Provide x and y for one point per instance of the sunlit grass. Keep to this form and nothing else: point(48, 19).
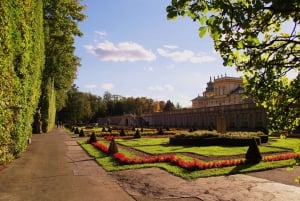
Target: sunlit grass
point(109, 164)
point(161, 146)
point(288, 143)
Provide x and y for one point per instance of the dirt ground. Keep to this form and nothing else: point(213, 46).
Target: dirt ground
point(154, 183)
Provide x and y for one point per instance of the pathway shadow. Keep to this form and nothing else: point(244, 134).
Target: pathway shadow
point(240, 168)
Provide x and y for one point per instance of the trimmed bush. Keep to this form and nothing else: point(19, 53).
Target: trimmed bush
point(137, 134)
point(253, 155)
point(92, 139)
point(122, 132)
point(211, 138)
point(211, 141)
point(160, 131)
point(81, 133)
point(76, 130)
point(112, 147)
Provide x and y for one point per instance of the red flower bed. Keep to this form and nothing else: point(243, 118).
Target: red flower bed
point(279, 157)
point(101, 147)
point(109, 137)
point(190, 165)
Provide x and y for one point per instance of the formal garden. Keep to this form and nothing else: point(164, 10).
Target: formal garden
point(185, 153)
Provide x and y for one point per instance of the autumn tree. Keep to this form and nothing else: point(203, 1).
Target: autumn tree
point(261, 38)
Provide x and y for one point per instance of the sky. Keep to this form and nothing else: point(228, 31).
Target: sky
point(130, 48)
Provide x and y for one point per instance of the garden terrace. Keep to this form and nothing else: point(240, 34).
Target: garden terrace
point(190, 161)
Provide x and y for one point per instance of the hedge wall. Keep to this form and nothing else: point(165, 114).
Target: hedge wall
point(47, 103)
point(21, 64)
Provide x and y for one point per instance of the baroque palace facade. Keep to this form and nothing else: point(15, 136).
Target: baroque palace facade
point(223, 97)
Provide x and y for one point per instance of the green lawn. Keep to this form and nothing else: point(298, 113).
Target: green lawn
point(159, 146)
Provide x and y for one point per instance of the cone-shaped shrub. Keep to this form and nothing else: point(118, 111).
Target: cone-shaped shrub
point(81, 133)
point(76, 130)
point(253, 155)
point(137, 134)
point(160, 131)
point(112, 147)
point(93, 138)
point(122, 132)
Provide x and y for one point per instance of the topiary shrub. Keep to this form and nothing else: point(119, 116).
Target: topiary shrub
point(253, 155)
point(160, 131)
point(112, 147)
point(122, 132)
point(81, 133)
point(93, 138)
point(76, 130)
point(137, 134)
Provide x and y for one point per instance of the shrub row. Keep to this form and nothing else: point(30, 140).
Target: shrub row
point(213, 141)
point(211, 138)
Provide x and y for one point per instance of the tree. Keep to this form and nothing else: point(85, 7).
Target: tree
point(169, 106)
point(61, 18)
point(262, 39)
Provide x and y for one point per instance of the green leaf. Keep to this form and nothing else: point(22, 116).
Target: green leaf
point(202, 31)
point(240, 45)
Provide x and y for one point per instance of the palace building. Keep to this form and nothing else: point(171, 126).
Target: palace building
point(224, 96)
point(222, 91)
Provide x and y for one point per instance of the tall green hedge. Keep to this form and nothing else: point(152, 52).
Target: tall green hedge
point(21, 64)
point(36, 60)
point(47, 103)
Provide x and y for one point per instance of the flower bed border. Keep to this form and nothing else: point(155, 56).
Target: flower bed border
point(189, 165)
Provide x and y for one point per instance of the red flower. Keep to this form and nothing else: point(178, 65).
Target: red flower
point(189, 165)
point(101, 147)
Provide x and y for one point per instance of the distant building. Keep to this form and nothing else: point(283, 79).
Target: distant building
point(223, 96)
point(221, 91)
point(115, 97)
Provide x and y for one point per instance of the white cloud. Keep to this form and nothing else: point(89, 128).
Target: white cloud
point(124, 51)
point(90, 86)
point(169, 87)
point(107, 86)
point(156, 88)
point(166, 87)
point(170, 46)
point(101, 33)
point(185, 56)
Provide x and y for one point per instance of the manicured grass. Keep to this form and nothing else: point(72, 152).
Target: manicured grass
point(161, 146)
point(109, 164)
point(288, 143)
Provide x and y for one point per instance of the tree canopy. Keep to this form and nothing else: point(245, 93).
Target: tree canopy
point(61, 18)
point(86, 107)
point(261, 38)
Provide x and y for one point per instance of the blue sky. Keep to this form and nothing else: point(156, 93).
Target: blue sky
point(129, 48)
